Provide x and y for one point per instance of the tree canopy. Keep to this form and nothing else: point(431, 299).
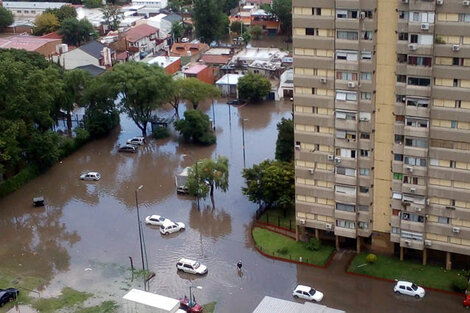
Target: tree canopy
point(177, 30)
point(195, 91)
point(92, 3)
point(256, 31)
point(285, 140)
point(76, 32)
point(283, 10)
point(46, 23)
point(211, 23)
point(253, 87)
point(141, 88)
point(112, 16)
point(63, 12)
point(196, 128)
point(6, 17)
point(269, 182)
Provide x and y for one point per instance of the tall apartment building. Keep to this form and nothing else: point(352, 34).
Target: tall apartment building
point(382, 123)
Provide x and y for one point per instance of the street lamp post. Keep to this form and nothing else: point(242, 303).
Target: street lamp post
point(140, 227)
point(191, 302)
point(243, 139)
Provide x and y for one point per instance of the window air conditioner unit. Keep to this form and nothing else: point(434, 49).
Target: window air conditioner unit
point(409, 169)
point(412, 190)
point(439, 2)
point(323, 80)
point(363, 119)
point(328, 226)
point(330, 157)
point(351, 84)
point(407, 242)
point(456, 48)
point(297, 147)
point(413, 46)
point(302, 222)
point(428, 202)
point(419, 209)
point(455, 230)
point(337, 160)
point(427, 243)
point(311, 171)
point(424, 26)
point(466, 3)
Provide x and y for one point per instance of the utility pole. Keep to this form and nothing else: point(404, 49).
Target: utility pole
point(243, 139)
point(140, 227)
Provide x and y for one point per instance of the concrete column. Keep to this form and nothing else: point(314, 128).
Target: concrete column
point(425, 256)
point(337, 243)
point(401, 253)
point(448, 261)
point(358, 244)
point(317, 234)
point(297, 232)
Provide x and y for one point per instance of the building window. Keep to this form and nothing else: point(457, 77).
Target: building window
point(443, 220)
point(420, 61)
point(402, 58)
point(366, 96)
point(345, 224)
point(366, 55)
point(412, 217)
point(346, 13)
point(365, 136)
point(366, 35)
point(419, 81)
point(346, 95)
point(345, 207)
point(414, 161)
point(363, 189)
point(417, 102)
point(310, 31)
point(403, 36)
point(364, 172)
point(346, 115)
point(366, 76)
point(453, 124)
point(456, 83)
point(346, 76)
point(416, 122)
point(345, 171)
point(365, 153)
point(346, 55)
point(398, 176)
point(416, 142)
point(363, 208)
point(395, 230)
point(347, 35)
point(403, 15)
point(398, 157)
point(401, 78)
point(362, 225)
point(349, 190)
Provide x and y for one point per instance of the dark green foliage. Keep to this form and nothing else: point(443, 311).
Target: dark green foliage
point(92, 3)
point(228, 5)
point(76, 32)
point(313, 244)
point(16, 182)
point(112, 16)
point(177, 30)
point(285, 140)
point(460, 284)
point(282, 251)
point(211, 23)
point(236, 27)
point(253, 87)
point(208, 175)
point(63, 12)
point(196, 128)
point(160, 133)
point(283, 10)
point(256, 31)
point(44, 149)
point(6, 17)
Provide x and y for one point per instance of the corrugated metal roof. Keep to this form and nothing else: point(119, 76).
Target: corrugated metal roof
point(271, 305)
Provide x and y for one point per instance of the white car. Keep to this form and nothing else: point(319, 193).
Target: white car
point(307, 293)
point(155, 220)
point(90, 176)
point(191, 267)
point(169, 227)
point(409, 289)
point(139, 141)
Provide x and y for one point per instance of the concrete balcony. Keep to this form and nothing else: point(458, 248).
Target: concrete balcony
point(414, 189)
point(416, 131)
point(345, 232)
point(412, 244)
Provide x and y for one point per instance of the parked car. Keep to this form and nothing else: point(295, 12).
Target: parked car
point(466, 301)
point(190, 306)
point(139, 141)
point(191, 267)
point(236, 102)
point(7, 295)
point(128, 148)
point(169, 227)
point(409, 289)
point(307, 293)
point(155, 220)
point(90, 176)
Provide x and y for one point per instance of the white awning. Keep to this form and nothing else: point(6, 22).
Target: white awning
point(153, 300)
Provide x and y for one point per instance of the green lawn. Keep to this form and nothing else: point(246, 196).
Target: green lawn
point(274, 244)
point(276, 217)
point(209, 307)
point(392, 268)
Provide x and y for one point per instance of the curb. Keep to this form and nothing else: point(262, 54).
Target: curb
point(453, 293)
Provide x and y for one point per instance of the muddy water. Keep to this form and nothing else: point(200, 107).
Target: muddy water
point(88, 230)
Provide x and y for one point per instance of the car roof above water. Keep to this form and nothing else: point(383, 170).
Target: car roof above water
point(303, 288)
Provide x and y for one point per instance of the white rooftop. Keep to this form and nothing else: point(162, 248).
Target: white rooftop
point(129, 21)
point(29, 5)
point(157, 18)
point(270, 305)
point(163, 61)
point(94, 16)
point(260, 54)
point(152, 300)
point(229, 79)
point(133, 7)
point(218, 51)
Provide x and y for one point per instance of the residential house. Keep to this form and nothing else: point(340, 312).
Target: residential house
point(267, 21)
point(170, 64)
point(44, 46)
point(286, 85)
point(202, 72)
point(188, 49)
point(29, 10)
point(142, 40)
point(228, 85)
point(265, 61)
point(217, 57)
point(150, 7)
point(92, 53)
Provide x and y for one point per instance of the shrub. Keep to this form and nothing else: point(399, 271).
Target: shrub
point(282, 250)
point(160, 133)
point(81, 136)
point(371, 258)
point(313, 244)
point(460, 284)
point(17, 181)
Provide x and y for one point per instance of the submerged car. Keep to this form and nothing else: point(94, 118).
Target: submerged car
point(139, 141)
point(128, 148)
point(91, 176)
point(155, 220)
point(190, 306)
point(409, 289)
point(169, 227)
point(7, 295)
point(191, 267)
point(307, 293)
point(236, 102)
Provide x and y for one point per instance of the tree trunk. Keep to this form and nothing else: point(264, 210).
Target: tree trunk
point(144, 130)
point(69, 123)
point(212, 195)
point(195, 106)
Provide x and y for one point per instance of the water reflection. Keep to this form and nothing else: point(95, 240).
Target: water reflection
point(213, 223)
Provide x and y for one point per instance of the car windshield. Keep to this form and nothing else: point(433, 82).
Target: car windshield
point(312, 292)
point(196, 265)
point(414, 287)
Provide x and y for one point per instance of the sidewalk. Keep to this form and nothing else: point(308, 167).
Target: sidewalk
point(22, 309)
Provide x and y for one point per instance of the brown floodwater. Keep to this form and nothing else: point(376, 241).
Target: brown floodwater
point(84, 236)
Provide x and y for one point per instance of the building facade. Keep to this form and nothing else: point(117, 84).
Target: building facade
point(382, 123)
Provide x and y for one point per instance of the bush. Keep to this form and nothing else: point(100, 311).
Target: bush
point(371, 258)
point(16, 182)
point(282, 250)
point(81, 136)
point(313, 244)
point(460, 284)
point(160, 133)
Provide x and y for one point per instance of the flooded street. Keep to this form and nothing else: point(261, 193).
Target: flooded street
point(88, 230)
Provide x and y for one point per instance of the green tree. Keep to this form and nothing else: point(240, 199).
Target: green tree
point(283, 10)
point(195, 91)
point(101, 115)
point(177, 30)
point(6, 17)
point(76, 32)
point(112, 16)
point(206, 176)
point(175, 5)
point(256, 31)
point(176, 95)
point(196, 128)
point(285, 140)
point(63, 12)
point(269, 182)
point(46, 23)
point(92, 3)
point(142, 89)
point(228, 5)
point(211, 23)
point(246, 37)
point(44, 148)
point(237, 27)
point(253, 87)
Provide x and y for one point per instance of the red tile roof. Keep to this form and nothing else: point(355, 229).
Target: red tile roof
point(180, 48)
point(216, 59)
point(136, 33)
point(53, 35)
point(24, 42)
point(195, 69)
